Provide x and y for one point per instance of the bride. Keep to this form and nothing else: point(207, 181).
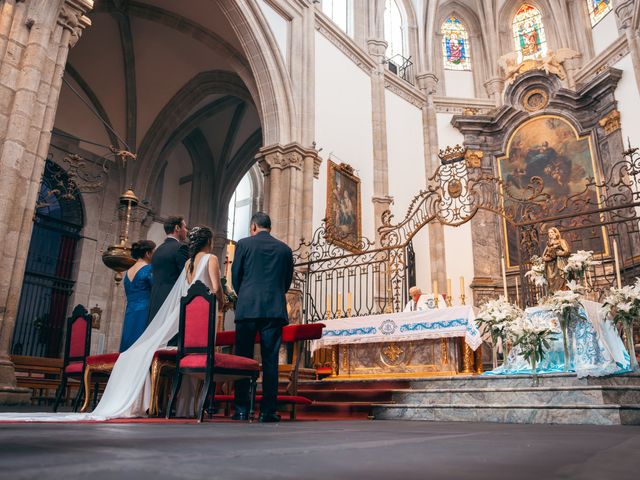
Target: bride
point(127, 392)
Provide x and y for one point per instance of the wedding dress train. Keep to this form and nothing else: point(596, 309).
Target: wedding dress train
point(127, 392)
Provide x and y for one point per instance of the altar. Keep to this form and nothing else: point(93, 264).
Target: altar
point(406, 344)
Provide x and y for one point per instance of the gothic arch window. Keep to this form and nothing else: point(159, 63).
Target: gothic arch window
point(528, 33)
point(341, 13)
point(455, 45)
point(598, 9)
point(241, 209)
point(394, 32)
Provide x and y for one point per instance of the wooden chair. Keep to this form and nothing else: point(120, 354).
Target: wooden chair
point(76, 351)
point(196, 350)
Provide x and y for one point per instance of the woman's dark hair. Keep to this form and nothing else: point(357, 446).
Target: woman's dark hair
point(140, 248)
point(199, 238)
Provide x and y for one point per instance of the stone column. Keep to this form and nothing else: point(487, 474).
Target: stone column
point(495, 87)
point(288, 178)
point(35, 37)
point(427, 82)
point(625, 13)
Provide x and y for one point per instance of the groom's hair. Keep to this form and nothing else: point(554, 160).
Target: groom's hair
point(171, 223)
point(261, 220)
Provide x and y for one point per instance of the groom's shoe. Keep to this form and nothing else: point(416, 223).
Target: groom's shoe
point(269, 418)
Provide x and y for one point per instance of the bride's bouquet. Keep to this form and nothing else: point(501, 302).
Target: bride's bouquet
point(578, 264)
point(536, 274)
point(496, 316)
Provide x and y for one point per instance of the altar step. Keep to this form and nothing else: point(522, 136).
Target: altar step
point(559, 398)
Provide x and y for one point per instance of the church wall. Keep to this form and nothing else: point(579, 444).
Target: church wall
point(459, 84)
point(605, 33)
point(405, 148)
point(628, 102)
point(343, 126)
point(457, 240)
point(176, 188)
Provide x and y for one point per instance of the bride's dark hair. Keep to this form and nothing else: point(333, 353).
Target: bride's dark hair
point(199, 238)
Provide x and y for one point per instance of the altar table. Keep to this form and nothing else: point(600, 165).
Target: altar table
point(403, 344)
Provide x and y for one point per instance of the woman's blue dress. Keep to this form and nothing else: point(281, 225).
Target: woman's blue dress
point(138, 293)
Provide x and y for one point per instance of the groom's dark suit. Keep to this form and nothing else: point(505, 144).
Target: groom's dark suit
point(167, 263)
point(262, 272)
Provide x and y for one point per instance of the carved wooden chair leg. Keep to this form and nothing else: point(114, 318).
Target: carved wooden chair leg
point(87, 389)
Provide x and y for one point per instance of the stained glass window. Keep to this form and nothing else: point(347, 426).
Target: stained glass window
point(528, 33)
point(455, 45)
point(598, 9)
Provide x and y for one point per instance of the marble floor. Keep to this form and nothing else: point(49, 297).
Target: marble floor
point(318, 450)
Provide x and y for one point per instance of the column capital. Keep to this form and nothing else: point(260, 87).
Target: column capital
point(377, 49)
point(72, 17)
point(494, 85)
point(385, 200)
point(625, 11)
point(282, 157)
point(427, 82)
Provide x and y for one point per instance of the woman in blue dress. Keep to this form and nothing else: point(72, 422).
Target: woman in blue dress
point(137, 287)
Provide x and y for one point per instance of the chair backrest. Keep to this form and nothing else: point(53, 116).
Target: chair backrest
point(78, 344)
point(197, 321)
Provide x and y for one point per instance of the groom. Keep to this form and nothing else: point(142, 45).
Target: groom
point(262, 272)
point(167, 263)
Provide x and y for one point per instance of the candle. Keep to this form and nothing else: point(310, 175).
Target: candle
point(328, 306)
point(517, 293)
point(504, 278)
point(461, 285)
point(435, 288)
point(616, 259)
point(448, 288)
point(339, 302)
point(349, 301)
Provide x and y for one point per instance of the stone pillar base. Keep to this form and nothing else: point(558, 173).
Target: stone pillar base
point(10, 394)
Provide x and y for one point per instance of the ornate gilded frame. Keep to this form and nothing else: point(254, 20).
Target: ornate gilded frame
point(331, 234)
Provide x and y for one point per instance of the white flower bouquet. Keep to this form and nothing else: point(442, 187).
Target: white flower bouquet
point(496, 316)
point(532, 338)
point(622, 305)
point(536, 274)
point(566, 304)
point(578, 264)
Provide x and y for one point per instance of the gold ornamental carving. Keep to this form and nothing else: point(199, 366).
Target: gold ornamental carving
point(391, 354)
point(474, 158)
point(610, 122)
point(535, 99)
point(444, 351)
point(552, 63)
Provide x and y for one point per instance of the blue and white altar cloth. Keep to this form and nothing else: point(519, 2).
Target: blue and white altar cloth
point(595, 346)
point(403, 326)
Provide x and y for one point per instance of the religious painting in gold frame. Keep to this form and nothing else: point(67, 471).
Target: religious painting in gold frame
point(549, 147)
point(344, 218)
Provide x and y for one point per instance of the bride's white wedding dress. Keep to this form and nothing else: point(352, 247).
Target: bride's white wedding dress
point(127, 393)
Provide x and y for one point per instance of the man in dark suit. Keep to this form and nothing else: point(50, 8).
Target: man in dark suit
point(167, 262)
point(262, 272)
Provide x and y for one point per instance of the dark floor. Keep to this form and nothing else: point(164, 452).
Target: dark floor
point(327, 450)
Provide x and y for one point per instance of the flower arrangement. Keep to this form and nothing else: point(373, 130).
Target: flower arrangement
point(536, 274)
point(496, 316)
point(622, 305)
point(578, 264)
point(532, 339)
point(566, 304)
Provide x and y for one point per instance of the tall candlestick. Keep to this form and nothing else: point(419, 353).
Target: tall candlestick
point(435, 293)
point(517, 293)
point(616, 259)
point(504, 278)
point(349, 300)
point(449, 287)
point(328, 306)
point(462, 295)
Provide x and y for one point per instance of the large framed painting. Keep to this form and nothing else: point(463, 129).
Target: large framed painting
point(344, 220)
point(550, 148)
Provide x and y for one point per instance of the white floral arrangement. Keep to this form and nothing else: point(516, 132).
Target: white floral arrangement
point(578, 263)
point(562, 300)
point(532, 338)
point(536, 274)
point(496, 316)
point(623, 304)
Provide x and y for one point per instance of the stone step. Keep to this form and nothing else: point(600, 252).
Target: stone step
point(546, 380)
point(505, 413)
point(556, 395)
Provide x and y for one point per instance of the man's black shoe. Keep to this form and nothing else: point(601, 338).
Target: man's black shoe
point(269, 418)
point(240, 416)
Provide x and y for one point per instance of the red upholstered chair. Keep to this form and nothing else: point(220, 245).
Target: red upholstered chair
point(76, 351)
point(98, 368)
point(196, 349)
